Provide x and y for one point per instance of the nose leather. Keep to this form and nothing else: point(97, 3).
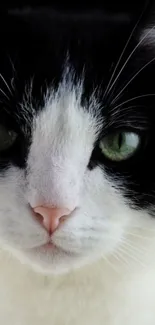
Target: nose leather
point(50, 217)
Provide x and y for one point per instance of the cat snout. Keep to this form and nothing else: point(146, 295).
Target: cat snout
point(50, 217)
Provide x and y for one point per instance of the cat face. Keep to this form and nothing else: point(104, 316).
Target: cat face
point(76, 132)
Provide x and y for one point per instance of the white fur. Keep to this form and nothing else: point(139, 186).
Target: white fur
point(147, 36)
point(96, 294)
point(98, 228)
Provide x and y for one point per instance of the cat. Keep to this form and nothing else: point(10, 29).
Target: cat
point(77, 180)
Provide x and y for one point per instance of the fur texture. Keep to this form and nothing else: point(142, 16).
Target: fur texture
point(68, 82)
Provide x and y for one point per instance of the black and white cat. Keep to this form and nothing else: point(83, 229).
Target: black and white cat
point(77, 168)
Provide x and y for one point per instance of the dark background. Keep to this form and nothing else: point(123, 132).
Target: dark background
point(133, 6)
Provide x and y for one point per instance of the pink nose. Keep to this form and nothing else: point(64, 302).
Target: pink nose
point(50, 217)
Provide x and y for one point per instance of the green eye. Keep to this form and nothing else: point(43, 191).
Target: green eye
point(120, 146)
point(7, 138)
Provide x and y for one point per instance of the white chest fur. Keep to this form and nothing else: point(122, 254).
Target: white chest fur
point(94, 295)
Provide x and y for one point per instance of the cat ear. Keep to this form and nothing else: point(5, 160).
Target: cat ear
point(146, 28)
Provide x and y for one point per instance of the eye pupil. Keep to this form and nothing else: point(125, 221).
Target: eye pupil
point(120, 140)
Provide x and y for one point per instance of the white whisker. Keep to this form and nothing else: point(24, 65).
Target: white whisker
point(125, 109)
point(130, 245)
point(138, 236)
point(4, 93)
point(122, 53)
point(125, 250)
point(111, 264)
point(129, 57)
point(6, 84)
point(133, 98)
point(128, 83)
point(121, 258)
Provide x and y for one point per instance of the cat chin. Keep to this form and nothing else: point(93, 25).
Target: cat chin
point(50, 258)
point(53, 261)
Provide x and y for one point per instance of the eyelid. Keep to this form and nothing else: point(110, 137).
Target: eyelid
point(105, 132)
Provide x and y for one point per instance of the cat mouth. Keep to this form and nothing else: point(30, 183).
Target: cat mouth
point(50, 247)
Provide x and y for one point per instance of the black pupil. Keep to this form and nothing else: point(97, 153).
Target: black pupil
point(120, 140)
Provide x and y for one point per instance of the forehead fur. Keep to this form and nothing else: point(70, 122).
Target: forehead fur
point(64, 118)
point(63, 137)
